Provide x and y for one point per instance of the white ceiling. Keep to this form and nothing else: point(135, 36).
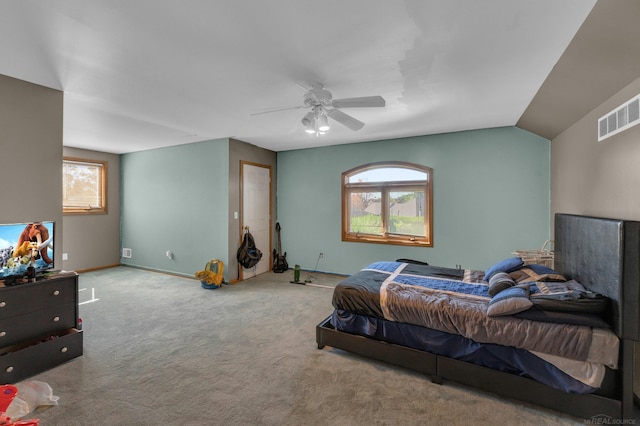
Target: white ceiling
point(143, 74)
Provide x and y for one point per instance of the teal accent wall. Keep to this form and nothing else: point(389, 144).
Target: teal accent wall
point(176, 199)
point(491, 196)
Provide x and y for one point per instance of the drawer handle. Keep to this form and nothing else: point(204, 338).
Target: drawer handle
point(56, 319)
point(9, 369)
point(64, 349)
point(56, 292)
point(3, 333)
point(3, 304)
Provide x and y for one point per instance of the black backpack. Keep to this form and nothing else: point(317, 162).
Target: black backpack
point(248, 254)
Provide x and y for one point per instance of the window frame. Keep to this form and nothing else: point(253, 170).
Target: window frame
point(76, 210)
point(384, 188)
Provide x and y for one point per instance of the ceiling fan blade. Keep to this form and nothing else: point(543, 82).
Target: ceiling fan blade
point(363, 102)
point(276, 110)
point(345, 119)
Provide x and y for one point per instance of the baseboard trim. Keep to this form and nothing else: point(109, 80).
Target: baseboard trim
point(98, 268)
point(160, 271)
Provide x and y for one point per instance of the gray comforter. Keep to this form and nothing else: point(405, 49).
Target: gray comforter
point(453, 301)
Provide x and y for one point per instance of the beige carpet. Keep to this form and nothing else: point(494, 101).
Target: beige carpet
point(160, 350)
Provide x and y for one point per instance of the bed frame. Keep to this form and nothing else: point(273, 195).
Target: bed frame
point(603, 255)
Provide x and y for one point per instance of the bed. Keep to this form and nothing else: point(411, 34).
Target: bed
point(443, 322)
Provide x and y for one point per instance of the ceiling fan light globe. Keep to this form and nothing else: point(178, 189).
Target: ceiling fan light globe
point(308, 120)
point(323, 123)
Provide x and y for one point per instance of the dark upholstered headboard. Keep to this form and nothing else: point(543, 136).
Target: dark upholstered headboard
point(604, 256)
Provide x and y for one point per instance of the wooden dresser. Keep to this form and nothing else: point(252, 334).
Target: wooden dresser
point(38, 326)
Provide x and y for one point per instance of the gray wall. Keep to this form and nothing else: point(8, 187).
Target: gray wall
point(491, 196)
point(93, 240)
point(31, 155)
point(176, 199)
point(597, 178)
point(242, 151)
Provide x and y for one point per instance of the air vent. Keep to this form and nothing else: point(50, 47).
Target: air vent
point(625, 116)
point(127, 253)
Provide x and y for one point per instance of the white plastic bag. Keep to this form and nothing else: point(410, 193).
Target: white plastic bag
point(31, 395)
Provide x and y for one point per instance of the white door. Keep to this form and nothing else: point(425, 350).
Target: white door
point(256, 203)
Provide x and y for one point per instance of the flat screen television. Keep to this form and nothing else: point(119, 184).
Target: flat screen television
point(24, 245)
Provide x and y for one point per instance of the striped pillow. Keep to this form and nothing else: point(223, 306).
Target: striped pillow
point(498, 282)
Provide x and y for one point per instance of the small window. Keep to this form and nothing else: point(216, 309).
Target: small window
point(388, 203)
point(84, 186)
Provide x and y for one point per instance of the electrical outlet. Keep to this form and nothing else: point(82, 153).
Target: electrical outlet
point(65, 256)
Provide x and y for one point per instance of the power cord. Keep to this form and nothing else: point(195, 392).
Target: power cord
point(315, 269)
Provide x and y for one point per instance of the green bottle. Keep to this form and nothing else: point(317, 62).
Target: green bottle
point(296, 273)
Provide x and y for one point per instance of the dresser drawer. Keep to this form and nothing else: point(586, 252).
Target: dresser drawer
point(27, 360)
point(36, 324)
point(29, 297)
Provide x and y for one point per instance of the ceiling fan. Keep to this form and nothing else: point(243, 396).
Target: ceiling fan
point(323, 107)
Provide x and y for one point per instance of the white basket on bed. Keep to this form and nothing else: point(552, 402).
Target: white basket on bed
point(543, 256)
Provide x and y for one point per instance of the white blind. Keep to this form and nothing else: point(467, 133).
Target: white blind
point(82, 187)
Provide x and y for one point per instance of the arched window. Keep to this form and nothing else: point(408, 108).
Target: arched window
point(388, 203)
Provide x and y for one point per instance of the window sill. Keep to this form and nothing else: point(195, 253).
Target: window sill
point(392, 241)
point(84, 212)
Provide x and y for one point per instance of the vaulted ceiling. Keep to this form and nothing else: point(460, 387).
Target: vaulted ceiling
point(143, 74)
